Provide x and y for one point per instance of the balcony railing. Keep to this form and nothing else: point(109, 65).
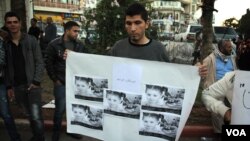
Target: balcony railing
point(55, 4)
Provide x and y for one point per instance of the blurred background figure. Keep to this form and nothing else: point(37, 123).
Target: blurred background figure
point(34, 30)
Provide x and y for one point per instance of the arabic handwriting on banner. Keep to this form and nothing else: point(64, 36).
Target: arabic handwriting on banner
point(241, 98)
point(127, 77)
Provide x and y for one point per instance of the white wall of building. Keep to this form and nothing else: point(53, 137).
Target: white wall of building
point(5, 6)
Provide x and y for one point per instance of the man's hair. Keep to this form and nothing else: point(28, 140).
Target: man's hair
point(222, 42)
point(69, 25)
point(11, 14)
point(137, 9)
point(34, 19)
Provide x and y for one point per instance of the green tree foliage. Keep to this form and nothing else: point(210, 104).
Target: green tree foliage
point(244, 23)
point(231, 22)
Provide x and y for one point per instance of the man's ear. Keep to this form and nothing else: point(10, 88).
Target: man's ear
point(147, 24)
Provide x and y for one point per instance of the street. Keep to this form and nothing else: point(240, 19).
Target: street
point(26, 134)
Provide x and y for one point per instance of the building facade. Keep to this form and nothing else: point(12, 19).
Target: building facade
point(177, 13)
point(61, 11)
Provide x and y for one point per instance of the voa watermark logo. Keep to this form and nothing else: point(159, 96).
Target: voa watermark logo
point(236, 132)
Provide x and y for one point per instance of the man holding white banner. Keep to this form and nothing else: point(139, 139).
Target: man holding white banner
point(232, 87)
point(127, 80)
point(55, 65)
point(137, 45)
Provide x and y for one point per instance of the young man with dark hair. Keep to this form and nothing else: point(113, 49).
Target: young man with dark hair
point(138, 45)
point(4, 101)
point(24, 73)
point(34, 30)
point(56, 67)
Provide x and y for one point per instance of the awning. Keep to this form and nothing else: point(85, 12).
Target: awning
point(43, 17)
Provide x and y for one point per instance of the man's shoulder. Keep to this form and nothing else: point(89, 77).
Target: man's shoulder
point(28, 37)
point(156, 45)
point(55, 41)
point(121, 42)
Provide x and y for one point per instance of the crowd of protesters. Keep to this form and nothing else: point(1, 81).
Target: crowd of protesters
point(22, 65)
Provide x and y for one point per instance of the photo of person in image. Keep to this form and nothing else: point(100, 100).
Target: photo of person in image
point(150, 123)
point(82, 86)
point(175, 98)
point(132, 104)
point(170, 125)
point(114, 101)
point(98, 86)
point(96, 117)
point(154, 96)
point(80, 114)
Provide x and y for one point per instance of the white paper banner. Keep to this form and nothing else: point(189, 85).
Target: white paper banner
point(241, 98)
point(122, 99)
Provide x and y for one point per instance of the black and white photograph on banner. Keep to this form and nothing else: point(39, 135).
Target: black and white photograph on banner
point(159, 125)
point(86, 116)
point(90, 88)
point(162, 98)
point(122, 104)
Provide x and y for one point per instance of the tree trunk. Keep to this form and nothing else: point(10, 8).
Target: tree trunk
point(207, 17)
point(18, 6)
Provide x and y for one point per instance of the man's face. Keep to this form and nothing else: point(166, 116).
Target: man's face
point(32, 22)
point(149, 123)
point(136, 27)
point(72, 33)
point(227, 48)
point(13, 24)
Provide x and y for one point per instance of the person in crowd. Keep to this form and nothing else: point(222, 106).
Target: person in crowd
point(4, 101)
point(80, 113)
point(34, 30)
point(25, 68)
point(219, 62)
point(151, 123)
point(154, 96)
point(217, 98)
point(50, 32)
point(137, 45)
point(83, 86)
point(115, 101)
point(56, 67)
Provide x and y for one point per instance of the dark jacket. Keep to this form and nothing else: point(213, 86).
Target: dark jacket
point(2, 59)
point(34, 65)
point(55, 64)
